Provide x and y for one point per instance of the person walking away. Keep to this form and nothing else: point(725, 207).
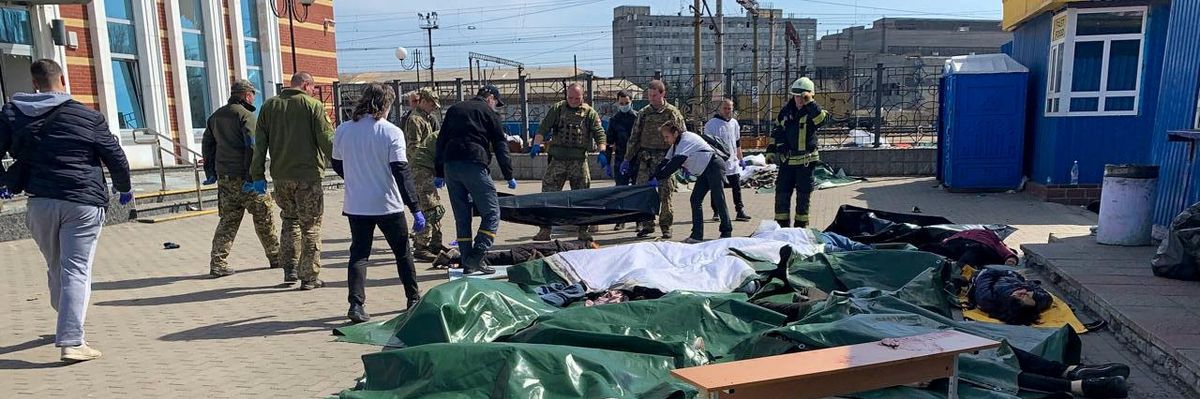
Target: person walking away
point(726, 129)
point(646, 148)
point(228, 149)
point(572, 128)
point(370, 154)
point(420, 139)
point(59, 145)
point(295, 131)
point(471, 133)
point(695, 156)
point(619, 128)
point(793, 146)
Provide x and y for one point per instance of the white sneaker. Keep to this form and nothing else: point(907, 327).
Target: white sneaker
point(81, 353)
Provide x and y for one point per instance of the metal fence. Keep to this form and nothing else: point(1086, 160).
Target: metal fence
point(873, 106)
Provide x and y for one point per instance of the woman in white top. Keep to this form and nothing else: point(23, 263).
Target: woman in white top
point(695, 156)
point(369, 153)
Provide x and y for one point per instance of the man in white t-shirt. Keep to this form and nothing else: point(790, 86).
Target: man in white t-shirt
point(369, 153)
point(725, 128)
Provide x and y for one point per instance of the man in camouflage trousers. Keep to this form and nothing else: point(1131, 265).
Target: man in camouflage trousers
point(421, 138)
point(295, 131)
point(647, 148)
point(571, 127)
point(228, 149)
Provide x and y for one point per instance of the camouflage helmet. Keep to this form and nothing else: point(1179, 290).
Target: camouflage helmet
point(802, 85)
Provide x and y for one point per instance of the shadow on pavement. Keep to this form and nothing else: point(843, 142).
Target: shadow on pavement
point(254, 327)
point(34, 343)
point(157, 281)
point(12, 364)
point(237, 292)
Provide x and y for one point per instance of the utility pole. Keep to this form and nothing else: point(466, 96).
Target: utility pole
point(720, 45)
point(575, 62)
point(698, 82)
point(429, 23)
point(771, 59)
point(754, 73)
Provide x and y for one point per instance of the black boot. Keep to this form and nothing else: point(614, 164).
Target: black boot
point(357, 314)
point(1105, 388)
point(1082, 372)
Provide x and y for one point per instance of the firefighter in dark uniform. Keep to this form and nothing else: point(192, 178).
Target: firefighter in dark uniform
point(793, 147)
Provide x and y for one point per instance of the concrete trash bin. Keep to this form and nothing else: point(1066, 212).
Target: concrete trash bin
point(1126, 205)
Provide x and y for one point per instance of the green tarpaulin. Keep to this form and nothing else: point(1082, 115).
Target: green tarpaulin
point(480, 338)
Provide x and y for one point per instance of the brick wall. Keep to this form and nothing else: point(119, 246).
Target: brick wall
point(81, 68)
point(1064, 193)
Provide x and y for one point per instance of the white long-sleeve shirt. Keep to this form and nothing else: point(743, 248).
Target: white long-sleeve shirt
point(729, 133)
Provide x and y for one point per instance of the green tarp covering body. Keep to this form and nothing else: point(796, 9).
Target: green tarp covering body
point(474, 338)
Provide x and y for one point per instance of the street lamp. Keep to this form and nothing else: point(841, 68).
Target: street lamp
point(402, 55)
point(429, 22)
point(287, 9)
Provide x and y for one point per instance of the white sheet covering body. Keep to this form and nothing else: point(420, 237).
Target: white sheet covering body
point(669, 266)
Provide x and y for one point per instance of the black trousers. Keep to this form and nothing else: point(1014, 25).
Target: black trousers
point(734, 181)
point(615, 165)
point(362, 233)
point(798, 180)
point(1039, 374)
point(712, 181)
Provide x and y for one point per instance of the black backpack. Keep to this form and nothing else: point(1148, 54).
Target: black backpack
point(718, 147)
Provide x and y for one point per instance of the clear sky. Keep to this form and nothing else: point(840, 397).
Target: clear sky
point(550, 32)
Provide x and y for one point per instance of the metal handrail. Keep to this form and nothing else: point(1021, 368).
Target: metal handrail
point(154, 138)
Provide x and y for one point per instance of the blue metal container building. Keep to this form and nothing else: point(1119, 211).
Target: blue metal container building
point(982, 139)
point(1108, 81)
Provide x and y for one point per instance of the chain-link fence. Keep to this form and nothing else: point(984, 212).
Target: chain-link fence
point(873, 106)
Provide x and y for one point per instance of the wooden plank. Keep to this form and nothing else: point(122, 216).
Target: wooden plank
point(824, 362)
point(851, 381)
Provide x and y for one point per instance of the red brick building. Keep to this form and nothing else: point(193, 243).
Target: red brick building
point(165, 64)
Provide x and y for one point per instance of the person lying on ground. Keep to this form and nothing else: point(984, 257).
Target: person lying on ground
point(977, 248)
point(517, 255)
point(1006, 295)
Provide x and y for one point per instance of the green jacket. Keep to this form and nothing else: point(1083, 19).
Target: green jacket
point(420, 138)
point(228, 144)
point(295, 130)
point(645, 135)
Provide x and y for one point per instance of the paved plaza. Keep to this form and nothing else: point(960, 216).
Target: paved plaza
point(167, 330)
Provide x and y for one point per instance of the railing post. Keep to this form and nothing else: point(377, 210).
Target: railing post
point(162, 172)
point(199, 191)
point(878, 105)
point(729, 84)
point(337, 103)
point(458, 89)
point(523, 99)
point(398, 106)
point(591, 95)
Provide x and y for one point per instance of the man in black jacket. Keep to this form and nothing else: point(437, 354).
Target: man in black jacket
point(620, 126)
point(59, 146)
point(470, 134)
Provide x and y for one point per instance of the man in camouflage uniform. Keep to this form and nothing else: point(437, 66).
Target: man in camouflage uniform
point(420, 138)
point(295, 131)
point(228, 148)
point(572, 128)
point(646, 147)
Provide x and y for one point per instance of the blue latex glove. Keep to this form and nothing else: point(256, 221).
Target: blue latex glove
point(4, 193)
point(419, 222)
point(209, 181)
point(125, 198)
point(512, 183)
point(439, 182)
point(259, 186)
point(535, 150)
point(742, 163)
point(602, 160)
point(608, 172)
point(653, 182)
point(625, 167)
point(685, 173)
point(247, 187)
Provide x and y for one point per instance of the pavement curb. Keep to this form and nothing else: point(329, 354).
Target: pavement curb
point(1165, 359)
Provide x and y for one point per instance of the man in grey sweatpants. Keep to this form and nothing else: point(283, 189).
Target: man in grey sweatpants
point(59, 145)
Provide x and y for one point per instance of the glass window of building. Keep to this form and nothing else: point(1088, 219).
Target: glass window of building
point(122, 42)
point(195, 55)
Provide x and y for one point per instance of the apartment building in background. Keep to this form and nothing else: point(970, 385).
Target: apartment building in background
point(644, 44)
point(164, 65)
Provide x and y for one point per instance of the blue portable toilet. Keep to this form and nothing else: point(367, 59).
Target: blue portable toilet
point(982, 132)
